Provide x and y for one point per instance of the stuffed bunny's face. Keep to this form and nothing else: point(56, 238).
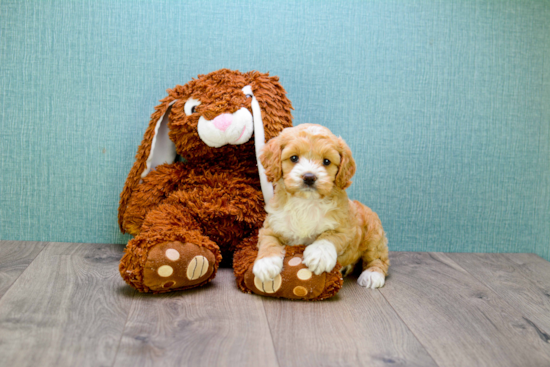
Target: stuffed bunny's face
point(214, 114)
point(227, 127)
point(217, 115)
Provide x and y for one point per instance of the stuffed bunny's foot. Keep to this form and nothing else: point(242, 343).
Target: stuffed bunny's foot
point(292, 279)
point(174, 265)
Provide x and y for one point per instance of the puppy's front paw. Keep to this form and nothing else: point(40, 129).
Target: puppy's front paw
point(267, 268)
point(371, 279)
point(320, 256)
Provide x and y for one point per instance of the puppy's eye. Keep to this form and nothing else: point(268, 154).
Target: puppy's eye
point(294, 159)
point(326, 162)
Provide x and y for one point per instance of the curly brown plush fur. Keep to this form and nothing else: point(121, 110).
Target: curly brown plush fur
point(186, 215)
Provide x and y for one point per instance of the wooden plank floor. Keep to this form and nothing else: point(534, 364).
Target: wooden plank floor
point(64, 304)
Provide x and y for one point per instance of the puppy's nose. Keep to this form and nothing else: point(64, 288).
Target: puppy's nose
point(309, 179)
point(223, 121)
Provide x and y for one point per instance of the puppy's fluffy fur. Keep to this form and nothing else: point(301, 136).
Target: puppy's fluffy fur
point(311, 168)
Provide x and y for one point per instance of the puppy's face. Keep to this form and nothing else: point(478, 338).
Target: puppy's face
point(310, 160)
point(310, 163)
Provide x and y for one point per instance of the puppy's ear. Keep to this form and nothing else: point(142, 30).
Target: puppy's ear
point(271, 160)
point(347, 165)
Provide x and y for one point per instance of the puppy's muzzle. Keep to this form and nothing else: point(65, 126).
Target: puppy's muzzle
point(309, 179)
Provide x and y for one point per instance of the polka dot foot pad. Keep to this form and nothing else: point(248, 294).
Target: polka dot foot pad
point(294, 282)
point(175, 265)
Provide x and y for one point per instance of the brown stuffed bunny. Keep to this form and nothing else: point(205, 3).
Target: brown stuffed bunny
point(186, 215)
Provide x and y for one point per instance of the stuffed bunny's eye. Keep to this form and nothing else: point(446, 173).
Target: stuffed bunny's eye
point(191, 106)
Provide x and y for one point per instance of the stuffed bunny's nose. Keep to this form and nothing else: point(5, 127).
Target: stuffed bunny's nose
point(223, 121)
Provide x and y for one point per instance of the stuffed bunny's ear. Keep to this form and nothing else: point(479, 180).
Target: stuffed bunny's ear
point(155, 149)
point(259, 142)
point(163, 150)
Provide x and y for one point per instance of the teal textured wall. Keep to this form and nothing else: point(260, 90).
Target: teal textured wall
point(445, 105)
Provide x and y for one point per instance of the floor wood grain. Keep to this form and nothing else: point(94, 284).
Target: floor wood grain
point(356, 328)
point(460, 321)
point(68, 308)
point(216, 325)
point(522, 280)
point(64, 304)
point(15, 256)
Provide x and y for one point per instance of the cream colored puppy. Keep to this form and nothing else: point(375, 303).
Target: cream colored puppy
point(311, 168)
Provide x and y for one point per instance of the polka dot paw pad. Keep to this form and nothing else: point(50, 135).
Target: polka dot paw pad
point(174, 265)
point(197, 267)
point(294, 282)
point(271, 286)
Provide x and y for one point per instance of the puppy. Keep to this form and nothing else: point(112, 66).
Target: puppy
point(311, 168)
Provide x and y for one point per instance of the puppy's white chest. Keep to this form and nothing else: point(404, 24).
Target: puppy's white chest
point(300, 220)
